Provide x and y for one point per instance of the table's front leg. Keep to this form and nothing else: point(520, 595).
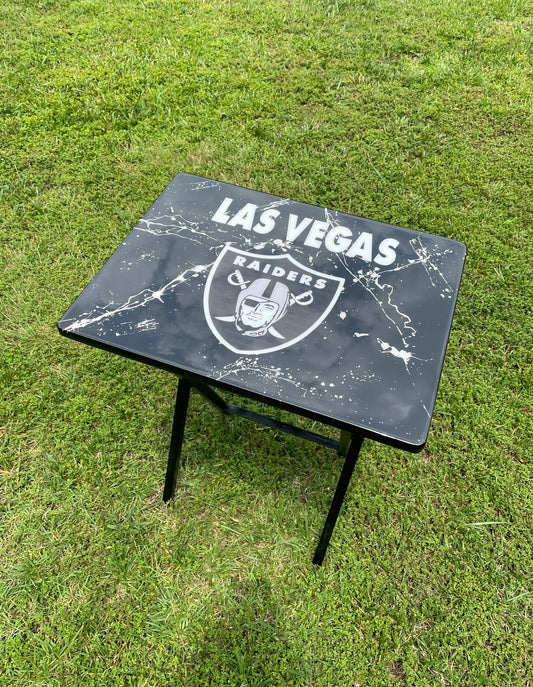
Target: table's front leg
point(344, 480)
point(344, 443)
point(178, 428)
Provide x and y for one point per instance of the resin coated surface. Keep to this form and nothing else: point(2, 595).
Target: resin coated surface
point(338, 316)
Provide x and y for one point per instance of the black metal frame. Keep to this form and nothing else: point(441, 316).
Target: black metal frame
point(349, 446)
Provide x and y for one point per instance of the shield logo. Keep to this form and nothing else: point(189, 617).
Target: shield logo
point(263, 303)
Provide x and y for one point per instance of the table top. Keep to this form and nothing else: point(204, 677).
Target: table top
point(336, 317)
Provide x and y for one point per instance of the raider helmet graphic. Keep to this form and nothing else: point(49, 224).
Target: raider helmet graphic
point(262, 303)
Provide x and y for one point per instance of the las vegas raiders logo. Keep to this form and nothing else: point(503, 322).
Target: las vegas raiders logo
point(263, 303)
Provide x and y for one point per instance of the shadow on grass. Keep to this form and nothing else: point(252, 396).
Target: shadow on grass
point(256, 466)
point(246, 634)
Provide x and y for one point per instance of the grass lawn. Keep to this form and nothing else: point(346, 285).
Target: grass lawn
point(413, 112)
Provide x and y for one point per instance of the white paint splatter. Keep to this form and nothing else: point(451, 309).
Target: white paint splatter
point(146, 325)
point(387, 348)
point(247, 364)
point(138, 300)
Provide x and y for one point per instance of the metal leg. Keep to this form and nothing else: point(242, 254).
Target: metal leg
point(208, 393)
point(230, 409)
point(349, 464)
point(344, 443)
point(349, 445)
point(178, 428)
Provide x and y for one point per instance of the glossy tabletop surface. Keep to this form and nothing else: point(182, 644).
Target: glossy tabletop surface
point(339, 317)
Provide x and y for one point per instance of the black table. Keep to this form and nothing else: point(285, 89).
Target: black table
point(336, 318)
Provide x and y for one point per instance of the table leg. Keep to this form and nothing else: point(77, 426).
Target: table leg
point(178, 428)
point(344, 443)
point(349, 464)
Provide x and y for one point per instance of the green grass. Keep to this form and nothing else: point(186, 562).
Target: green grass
point(413, 112)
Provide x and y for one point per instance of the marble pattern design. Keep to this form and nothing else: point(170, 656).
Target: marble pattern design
point(352, 325)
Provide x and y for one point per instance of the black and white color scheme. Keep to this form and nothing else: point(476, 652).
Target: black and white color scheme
point(331, 314)
point(278, 301)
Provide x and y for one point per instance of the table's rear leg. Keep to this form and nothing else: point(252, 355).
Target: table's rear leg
point(178, 428)
point(344, 480)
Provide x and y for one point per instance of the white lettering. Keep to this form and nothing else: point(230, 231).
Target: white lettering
point(221, 214)
point(294, 229)
point(316, 234)
point(279, 272)
point(245, 217)
point(387, 254)
point(338, 239)
point(362, 247)
point(267, 221)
